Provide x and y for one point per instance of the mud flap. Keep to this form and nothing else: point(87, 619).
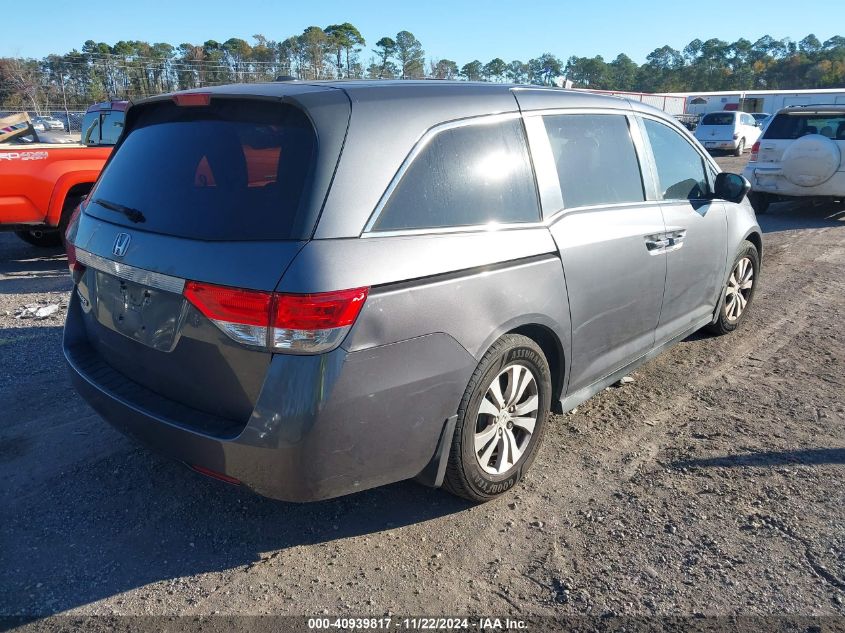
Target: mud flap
point(432, 475)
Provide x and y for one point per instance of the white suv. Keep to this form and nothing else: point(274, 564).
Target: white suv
point(728, 131)
point(799, 156)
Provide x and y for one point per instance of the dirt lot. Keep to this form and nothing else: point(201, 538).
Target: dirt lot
point(714, 484)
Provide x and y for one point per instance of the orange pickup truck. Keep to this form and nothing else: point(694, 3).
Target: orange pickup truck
point(44, 176)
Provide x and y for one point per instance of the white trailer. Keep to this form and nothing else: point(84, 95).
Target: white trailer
point(759, 100)
point(669, 103)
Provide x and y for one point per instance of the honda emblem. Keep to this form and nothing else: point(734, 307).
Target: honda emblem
point(121, 244)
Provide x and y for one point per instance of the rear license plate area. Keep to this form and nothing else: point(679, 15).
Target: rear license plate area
point(147, 315)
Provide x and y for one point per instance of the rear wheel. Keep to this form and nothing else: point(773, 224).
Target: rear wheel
point(501, 420)
point(740, 148)
point(739, 290)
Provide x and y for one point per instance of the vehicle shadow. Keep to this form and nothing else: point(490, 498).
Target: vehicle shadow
point(89, 514)
point(790, 216)
point(27, 269)
point(809, 457)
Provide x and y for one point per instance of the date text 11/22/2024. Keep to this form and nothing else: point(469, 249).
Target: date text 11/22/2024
point(417, 624)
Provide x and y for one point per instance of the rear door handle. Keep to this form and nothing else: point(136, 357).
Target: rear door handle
point(655, 246)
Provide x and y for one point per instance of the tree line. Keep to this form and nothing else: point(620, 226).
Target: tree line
point(135, 69)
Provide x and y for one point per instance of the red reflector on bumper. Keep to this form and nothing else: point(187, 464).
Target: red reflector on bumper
point(214, 474)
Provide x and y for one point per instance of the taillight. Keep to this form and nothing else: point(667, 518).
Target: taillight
point(314, 323)
point(755, 149)
point(76, 269)
point(192, 99)
point(244, 315)
point(297, 324)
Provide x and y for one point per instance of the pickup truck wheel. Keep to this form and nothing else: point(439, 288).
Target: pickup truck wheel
point(739, 290)
point(501, 420)
point(740, 148)
point(43, 238)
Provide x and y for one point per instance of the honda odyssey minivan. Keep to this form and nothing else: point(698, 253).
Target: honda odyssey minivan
point(312, 289)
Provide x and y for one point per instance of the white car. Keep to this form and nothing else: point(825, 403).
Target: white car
point(728, 131)
point(800, 155)
point(47, 123)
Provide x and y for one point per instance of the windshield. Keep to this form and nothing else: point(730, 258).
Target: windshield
point(718, 118)
point(234, 170)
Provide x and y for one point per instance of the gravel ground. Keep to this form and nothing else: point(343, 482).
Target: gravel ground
point(713, 484)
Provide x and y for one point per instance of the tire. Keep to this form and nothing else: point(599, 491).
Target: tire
point(478, 416)
point(732, 312)
point(740, 149)
point(41, 237)
point(67, 210)
point(759, 202)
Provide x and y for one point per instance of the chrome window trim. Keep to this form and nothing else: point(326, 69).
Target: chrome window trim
point(131, 273)
point(421, 144)
point(492, 227)
point(599, 207)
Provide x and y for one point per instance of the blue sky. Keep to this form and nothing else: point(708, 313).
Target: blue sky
point(457, 30)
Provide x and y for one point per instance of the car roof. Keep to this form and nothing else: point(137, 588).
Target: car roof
point(108, 105)
point(427, 93)
point(813, 109)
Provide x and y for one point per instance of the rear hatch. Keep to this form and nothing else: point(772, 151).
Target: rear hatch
point(716, 127)
point(787, 127)
point(203, 191)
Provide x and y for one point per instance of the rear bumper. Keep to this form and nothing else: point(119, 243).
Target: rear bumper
point(323, 426)
point(769, 179)
point(721, 145)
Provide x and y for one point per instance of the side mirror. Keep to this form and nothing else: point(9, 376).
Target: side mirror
point(731, 187)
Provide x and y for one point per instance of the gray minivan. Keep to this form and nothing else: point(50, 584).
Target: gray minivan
point(317, 288)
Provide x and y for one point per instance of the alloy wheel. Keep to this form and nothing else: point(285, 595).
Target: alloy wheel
point(507, 416)
point(739, 288)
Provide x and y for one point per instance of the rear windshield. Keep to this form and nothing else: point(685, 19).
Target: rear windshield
point(234, 170)
point(718, 118)
point(102, 128)
point(792, 126)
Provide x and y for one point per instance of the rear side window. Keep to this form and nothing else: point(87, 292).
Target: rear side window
point(234, 170)
point(595, 159)
point(465, 176)
point(792, 126)
point(680, 168)
point(718, 118)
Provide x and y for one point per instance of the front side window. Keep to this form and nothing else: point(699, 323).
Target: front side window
point(595, 159)
point(680, 168)
point(465, 176)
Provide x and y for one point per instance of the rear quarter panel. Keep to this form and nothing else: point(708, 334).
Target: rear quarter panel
point(35, 179)
point(471, 286)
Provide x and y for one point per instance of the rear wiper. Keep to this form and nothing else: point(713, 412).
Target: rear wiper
point(133, 214)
